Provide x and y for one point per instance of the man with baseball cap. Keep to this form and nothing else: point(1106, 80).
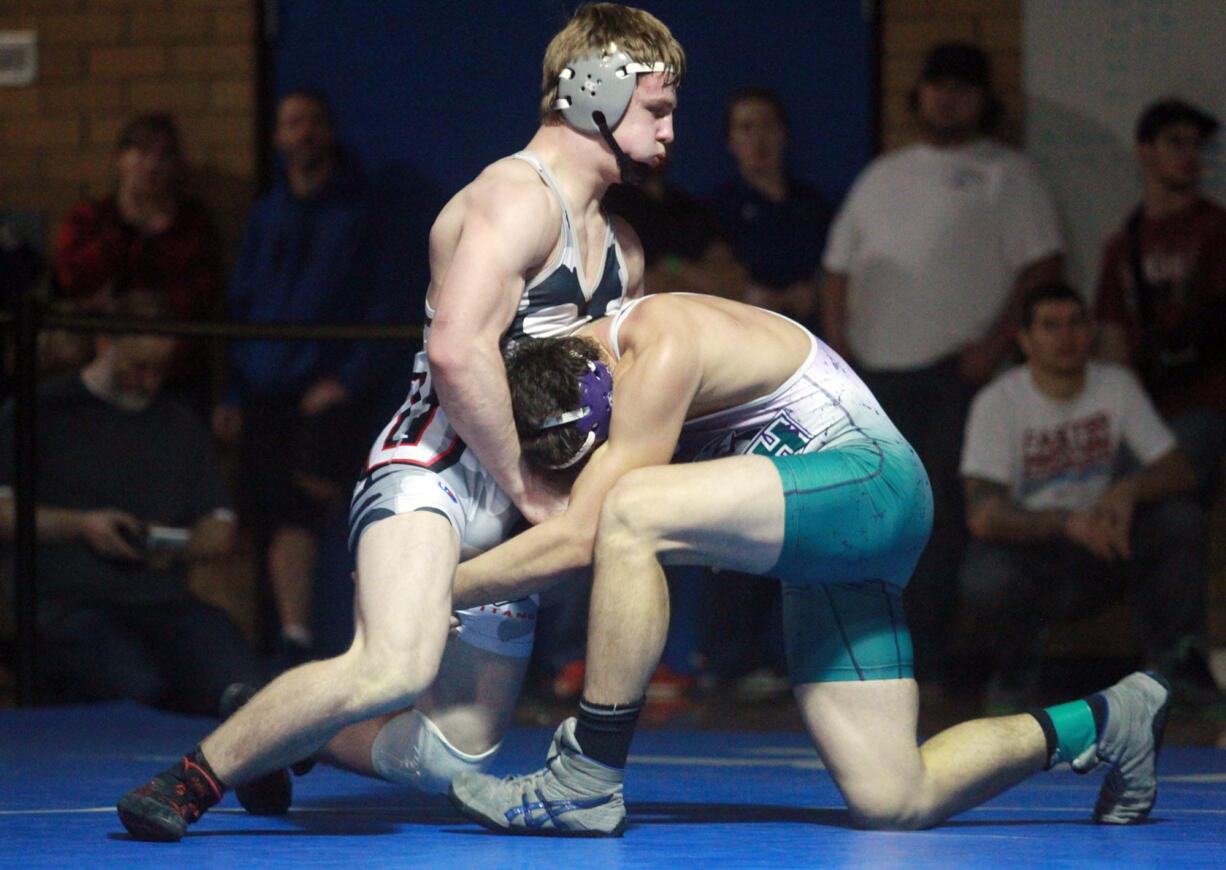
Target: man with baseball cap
point(926, 263)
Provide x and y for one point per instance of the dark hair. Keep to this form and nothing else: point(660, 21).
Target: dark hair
point(1171, 111)
point(142, 131)
point(964, 62)
point(1056, 291)
point(543, 374)
point(744, 95)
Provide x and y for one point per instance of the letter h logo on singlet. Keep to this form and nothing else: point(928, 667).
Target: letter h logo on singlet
point(782, 436)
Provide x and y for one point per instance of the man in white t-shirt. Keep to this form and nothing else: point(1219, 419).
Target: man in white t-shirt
point(925, 263)
point(1062, 526)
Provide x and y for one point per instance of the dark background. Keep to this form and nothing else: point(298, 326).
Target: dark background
point(438, 90)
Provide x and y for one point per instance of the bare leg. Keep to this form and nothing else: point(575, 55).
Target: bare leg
point(865, 734)
point(405, 568)
point(350, 748)
point(474, 696)
point(470, 701)
point(291, 571)
point(628, 621)
point(629, 616)
point(733, 516)
point(732, 512)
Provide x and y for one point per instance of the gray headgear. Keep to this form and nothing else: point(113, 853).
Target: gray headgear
point(603, 82)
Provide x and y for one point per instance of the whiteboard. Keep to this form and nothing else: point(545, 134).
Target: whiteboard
point(1090, 67)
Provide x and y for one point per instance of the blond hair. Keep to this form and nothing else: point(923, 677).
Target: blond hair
point(595, 26)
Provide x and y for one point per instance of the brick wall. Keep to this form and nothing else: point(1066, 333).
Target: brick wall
point(911, 27)
point(100, 61)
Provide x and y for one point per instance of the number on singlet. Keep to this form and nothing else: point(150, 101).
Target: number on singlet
point(413, 417)
point(417, 434)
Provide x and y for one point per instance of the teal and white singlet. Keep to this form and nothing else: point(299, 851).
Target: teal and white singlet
point(858, 512)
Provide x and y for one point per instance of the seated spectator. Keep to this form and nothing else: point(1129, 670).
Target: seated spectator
point(1162, 285)
point(128, 495)
point(299, 410)
point(147, 235)
point(776, 222)
point(1061, 525)
point(684, 250)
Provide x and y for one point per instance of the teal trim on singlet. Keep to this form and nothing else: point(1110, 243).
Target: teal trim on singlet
point(856, 519)
point(859, 512)
point(838, 632)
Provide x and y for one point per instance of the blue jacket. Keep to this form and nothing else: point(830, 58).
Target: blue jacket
point(307, 261)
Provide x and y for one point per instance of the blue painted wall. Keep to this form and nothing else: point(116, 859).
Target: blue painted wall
point(442, 89)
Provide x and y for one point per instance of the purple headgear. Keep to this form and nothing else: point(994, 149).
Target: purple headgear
point(592, 416)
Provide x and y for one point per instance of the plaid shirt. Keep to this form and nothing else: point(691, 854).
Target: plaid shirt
point(95, 247)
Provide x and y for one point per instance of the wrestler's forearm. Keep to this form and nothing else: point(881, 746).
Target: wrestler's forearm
point(474, 393)
point(531, 562)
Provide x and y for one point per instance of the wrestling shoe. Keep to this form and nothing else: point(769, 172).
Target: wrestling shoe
point(572, 796)
point(162, 808)
point(1130, 740)
point(272, 793)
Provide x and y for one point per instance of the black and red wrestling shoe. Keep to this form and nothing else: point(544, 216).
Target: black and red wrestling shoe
point(162, 808)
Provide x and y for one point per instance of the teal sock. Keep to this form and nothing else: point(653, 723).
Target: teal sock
point(1070, 729)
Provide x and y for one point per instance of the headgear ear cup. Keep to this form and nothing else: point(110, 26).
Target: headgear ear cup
point(593, 416)
point(594, 92)
point(598, 82)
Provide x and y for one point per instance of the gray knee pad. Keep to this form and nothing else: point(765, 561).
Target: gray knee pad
point(411, 750)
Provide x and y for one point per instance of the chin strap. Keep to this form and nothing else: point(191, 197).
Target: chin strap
point(632, 171)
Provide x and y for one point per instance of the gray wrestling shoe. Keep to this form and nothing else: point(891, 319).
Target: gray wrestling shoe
point(1132, 736)
point(572, 796)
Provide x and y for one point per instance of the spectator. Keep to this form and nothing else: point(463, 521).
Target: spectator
point(116, 456)
point(776, 222)
point(148, 235)
point(1061, 526)
point(1162, 286)
point(927, 261)
point(299, 409)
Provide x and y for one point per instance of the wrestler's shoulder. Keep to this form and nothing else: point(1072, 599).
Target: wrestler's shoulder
point(508, 187)
point(504, 196)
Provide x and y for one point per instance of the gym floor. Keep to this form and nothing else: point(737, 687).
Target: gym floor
point(697, 797)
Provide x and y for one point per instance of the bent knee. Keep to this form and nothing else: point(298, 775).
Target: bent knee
point(381, 682)
point(890, 809)
point(633, 510)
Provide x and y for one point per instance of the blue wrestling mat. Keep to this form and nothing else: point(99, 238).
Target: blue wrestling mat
point(696, 798)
